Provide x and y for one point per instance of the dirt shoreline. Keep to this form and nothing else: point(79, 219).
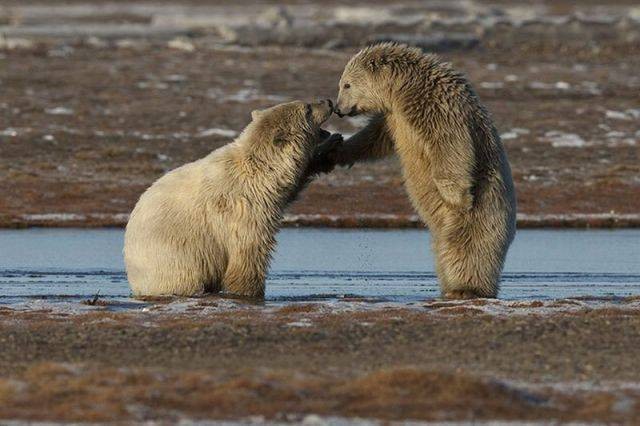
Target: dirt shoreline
point(552, 361)
point(594, 221)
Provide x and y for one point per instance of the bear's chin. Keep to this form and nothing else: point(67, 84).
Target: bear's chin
point(353, 112)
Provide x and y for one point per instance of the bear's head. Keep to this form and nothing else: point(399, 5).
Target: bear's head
point(290, 125)
point(371, 76)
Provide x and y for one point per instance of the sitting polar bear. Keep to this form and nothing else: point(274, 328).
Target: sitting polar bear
point(210, 225)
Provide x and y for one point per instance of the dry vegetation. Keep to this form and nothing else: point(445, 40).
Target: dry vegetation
point(443, 362)
point(88, 123)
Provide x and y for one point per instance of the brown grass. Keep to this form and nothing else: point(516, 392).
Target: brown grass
point(66, 392)
point(297, 309)
point(84, 393)
point(390, 364)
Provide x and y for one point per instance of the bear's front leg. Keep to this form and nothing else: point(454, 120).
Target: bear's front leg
point(321, 162)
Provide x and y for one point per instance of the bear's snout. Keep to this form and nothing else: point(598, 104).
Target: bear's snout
point(353, 111)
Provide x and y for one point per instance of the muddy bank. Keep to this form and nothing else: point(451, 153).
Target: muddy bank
point(362, 220)
point(438, 361)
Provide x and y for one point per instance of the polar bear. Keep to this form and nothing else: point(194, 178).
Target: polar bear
point(455, 169)
point(210, 225)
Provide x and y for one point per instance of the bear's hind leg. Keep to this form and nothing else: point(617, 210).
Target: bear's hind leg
point(242, 281)
point(247, 270)
point(465, 270)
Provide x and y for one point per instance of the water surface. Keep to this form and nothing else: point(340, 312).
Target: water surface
point(53, 265)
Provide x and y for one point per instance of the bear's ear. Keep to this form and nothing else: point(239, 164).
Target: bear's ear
point(255, 114)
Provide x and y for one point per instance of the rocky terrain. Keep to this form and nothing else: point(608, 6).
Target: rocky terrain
point(99, 99)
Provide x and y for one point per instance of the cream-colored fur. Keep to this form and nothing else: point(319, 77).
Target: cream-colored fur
point(455, 168)
point(210, 225)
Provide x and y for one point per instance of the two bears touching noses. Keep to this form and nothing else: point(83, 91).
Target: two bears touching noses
point(210, 225)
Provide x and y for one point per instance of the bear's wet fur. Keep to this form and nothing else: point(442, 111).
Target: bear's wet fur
point(455, 168)
point(210, 225)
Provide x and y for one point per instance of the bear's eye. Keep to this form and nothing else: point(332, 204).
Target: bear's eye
point(346, 86)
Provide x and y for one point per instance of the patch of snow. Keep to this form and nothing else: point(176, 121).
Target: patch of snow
point(227, 133)
point(560, 139)
point(275, 18)
point(246, 95)
point(15, 43)
point(126, 43)
point(243, 95)
point(617, 115)
point(497, 307)
point(175, 78)
point(61, 217)
point(592, 87)
point(96, 42)
point(362, 15)
point(514, 133)
point(600, 386)
point(181, 43)
point(492, 85)
point(328, 218)
point(569, 217)
point(540, 85)
point(154, 85)
point(59, 111)
point(615, 135)
point(305, 322)
point(634, 112)
point(508, 136)
point(9, 132)
point(61, 52)
point(68, 217)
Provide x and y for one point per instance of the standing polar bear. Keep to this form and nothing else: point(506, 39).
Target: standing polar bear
point(455, 169)
point(210, 225)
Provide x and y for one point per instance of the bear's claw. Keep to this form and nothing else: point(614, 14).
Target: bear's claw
point(322, 161)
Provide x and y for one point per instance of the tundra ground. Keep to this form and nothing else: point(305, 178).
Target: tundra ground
point(98, 101)
point(437, 361)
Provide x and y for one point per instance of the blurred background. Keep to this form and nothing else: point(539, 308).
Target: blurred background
point(100, 98)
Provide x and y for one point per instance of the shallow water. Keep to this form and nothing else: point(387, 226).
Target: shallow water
point(40, 267)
